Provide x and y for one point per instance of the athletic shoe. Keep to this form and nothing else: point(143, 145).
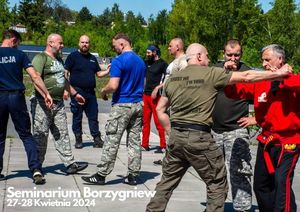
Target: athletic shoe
point(160, 150)
point(96, 179)
point(76, 167)
point(130, 180)
point(38, 177)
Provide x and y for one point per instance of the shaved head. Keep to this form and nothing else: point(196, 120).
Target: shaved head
point(176, 47)
point(197, 54)
point(54, 44)
point(179, 43)
point(84, 44)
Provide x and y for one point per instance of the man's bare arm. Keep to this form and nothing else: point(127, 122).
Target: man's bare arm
point(155, 91)
point(110, 87)
point(163, 117)
point(40, 86)
point(255, 76)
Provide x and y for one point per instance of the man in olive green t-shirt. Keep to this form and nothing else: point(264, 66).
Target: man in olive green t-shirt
point(191, 95)
point(50, 67)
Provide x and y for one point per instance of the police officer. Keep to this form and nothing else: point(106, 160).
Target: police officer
point(12, 99)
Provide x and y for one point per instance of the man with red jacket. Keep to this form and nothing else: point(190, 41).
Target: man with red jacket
point(276, 105)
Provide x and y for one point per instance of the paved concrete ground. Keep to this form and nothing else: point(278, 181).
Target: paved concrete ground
point(70, 193)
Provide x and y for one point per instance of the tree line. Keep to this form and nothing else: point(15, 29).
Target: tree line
point(209, 22)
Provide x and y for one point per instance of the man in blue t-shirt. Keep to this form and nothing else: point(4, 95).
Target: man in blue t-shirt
point(81, 67)
point(13, 103)
point(126, 82)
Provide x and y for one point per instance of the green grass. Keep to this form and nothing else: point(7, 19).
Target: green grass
point(100, 84)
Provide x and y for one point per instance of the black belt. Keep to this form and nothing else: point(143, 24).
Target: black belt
point(200, 127)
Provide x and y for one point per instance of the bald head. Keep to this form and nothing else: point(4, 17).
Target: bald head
point(54, 44)
point(84, 44)
point(53, 37)
point(197, 54)
point(176, 47)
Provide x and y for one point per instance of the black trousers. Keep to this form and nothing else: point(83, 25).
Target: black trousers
point(274, 191)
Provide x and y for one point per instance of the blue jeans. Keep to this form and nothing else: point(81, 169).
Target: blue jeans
point(91, 111)
point(14, 103)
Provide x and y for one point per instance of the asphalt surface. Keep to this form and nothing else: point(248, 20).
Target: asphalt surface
point(63, 193)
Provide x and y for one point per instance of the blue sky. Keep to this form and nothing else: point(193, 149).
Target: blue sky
point(145, 7)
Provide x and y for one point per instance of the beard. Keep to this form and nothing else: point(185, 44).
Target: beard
point(150, 59)
point(84, 49)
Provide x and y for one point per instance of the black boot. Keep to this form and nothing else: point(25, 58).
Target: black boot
point(98, 142)
point(78, 143)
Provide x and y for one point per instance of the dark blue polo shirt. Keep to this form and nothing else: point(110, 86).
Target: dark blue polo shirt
point(12, 62)
point(82, 69)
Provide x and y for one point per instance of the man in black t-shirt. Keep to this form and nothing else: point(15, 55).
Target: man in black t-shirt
point(81, 67)
point(230, 119)
point(155, 73)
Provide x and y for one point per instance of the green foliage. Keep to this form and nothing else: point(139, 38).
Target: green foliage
point(31, 14)
point(209, 22)
point(84, 15)
point(4, 15)
point(157, 28)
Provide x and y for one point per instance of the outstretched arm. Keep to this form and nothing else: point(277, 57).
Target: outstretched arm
point(255, 76)
point(103, 73)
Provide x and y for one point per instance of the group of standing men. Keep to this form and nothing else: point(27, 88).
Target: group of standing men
point(193, 115)
point(205, 127)
point(51, 82)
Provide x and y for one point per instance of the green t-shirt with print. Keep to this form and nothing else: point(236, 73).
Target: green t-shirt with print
point(52, 73)
point(192, 93)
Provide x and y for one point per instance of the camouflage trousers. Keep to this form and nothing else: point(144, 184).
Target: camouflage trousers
point(54, 120)
point(197, 149)
point(123, 116)
point(235, 145)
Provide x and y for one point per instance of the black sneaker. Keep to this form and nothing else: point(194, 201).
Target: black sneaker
point(76, 167)
point(2, 177)
point(38, 177)
point(98, 142)
point(78, 142)
point(96, 179)
point(130, 180)
point(157, 162)
point(160, 150)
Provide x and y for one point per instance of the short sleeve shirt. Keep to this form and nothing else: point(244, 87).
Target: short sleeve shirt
point(82, 68)
point(12, 63)
point(192, 93)
point(52, 72)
